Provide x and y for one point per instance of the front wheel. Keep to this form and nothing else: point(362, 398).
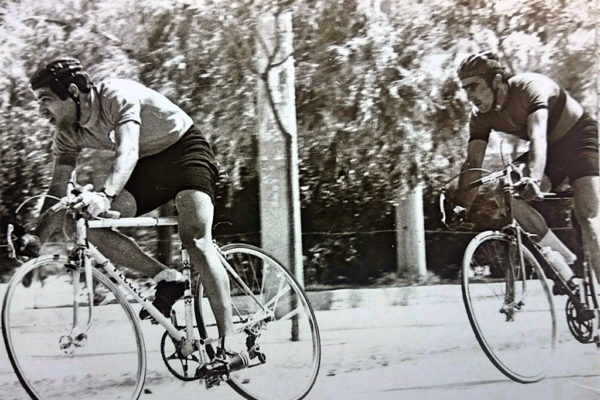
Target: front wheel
point(273, 321)
point(510, 307)
point(54, 355)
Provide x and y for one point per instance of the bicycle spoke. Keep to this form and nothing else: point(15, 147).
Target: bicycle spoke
point(47, 349)
point(510, 310)
point(280, 293)
point(274, 323)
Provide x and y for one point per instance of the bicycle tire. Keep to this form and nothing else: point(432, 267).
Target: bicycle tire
point(37, 317)
point(522, 348)
point(293, 355)
point(594, 292)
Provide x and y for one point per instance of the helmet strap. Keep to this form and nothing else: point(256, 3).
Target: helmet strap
point(495, 102)
point(77, 101)
point(495, 105)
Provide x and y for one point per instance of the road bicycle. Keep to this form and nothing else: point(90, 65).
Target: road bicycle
point(73, 333)
point(506, 287)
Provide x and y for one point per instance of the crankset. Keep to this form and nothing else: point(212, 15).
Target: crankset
point(181, 366)
point(580, 321)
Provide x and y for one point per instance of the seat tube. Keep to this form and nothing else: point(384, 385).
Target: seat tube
point(187, 294)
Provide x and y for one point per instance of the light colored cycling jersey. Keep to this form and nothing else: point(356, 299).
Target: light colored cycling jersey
point(528, 92)
point(114, 102)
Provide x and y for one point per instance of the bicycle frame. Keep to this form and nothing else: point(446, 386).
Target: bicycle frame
point(524, 239)
point(266, 303)
point(91, 257)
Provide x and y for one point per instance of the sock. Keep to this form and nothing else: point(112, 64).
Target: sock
point(168, 275)
point(552, 241)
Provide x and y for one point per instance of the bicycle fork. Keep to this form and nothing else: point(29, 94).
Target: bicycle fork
point(515, 257)
point(77, 336)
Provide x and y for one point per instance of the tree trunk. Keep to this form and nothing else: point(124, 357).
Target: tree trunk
point(410, 235)
point(278, 148)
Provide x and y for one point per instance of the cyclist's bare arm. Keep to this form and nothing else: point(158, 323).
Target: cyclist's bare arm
point(537, 130)
point(127, 136)
point(48, 221)
point(475, 153)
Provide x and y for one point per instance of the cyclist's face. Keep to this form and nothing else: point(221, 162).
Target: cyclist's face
point(479, 93)
point(61, 113)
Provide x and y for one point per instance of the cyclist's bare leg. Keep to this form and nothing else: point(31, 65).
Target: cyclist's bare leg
point(533, 222)
point(196, 212)
point(586, 194)
point(119, 248)
point(122, 250)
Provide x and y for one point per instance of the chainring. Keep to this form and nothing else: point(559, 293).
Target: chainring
point(581, 330)
point(183, 368)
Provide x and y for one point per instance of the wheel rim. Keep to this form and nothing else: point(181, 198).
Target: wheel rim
point(108, 362)
point(291, 345)
point(521, 348)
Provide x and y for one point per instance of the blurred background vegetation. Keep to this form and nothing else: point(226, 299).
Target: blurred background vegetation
point(379, 108)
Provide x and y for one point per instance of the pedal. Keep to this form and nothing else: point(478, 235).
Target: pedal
point(585, 315)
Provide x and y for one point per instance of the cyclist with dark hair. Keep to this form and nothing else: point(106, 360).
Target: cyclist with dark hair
point(563, 143)
point(159, 156)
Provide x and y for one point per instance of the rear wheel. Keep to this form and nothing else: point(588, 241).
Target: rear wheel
point(55, 358)
point(510, 309)
point(273, 321)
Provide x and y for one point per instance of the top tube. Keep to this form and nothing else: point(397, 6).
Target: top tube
point(493, 177)
point(132, 222)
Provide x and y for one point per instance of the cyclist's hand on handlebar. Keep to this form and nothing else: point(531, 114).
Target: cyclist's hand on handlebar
point(529, 189)
point(96, 203)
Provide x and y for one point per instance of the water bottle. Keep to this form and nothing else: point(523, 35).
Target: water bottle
point(558, 262)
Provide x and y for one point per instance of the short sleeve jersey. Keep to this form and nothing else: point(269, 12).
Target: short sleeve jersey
point(115, 102)
point(527, 92)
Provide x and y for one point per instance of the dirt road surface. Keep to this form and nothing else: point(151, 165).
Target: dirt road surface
point(407, 343)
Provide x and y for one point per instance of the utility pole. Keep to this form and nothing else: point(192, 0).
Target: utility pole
point(410, 234)
point(278, 147)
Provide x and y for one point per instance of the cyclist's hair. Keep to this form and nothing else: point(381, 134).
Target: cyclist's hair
point(487, 65)
point(58, 74)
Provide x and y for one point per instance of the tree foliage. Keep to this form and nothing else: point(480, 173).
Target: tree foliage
point(378, 105)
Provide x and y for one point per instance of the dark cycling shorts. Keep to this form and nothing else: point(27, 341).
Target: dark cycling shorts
point(575, 155)
point(187, 164)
